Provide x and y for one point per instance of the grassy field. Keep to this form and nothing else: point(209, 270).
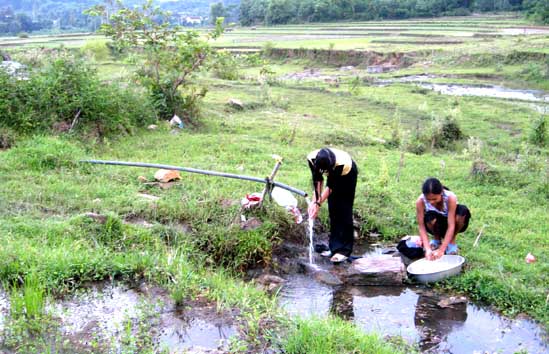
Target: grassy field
point(389, 130)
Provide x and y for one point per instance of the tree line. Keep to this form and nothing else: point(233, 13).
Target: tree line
point(18, 16)
point(274, 12)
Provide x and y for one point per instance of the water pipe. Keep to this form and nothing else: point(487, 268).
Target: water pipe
point(267, 180)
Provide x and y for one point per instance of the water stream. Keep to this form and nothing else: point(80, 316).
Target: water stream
point(417, 313)
point(310, 224)
point(311, 248)
point(494, 91)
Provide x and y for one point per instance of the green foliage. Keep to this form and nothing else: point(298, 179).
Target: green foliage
point(538, 135)
point(28, 301)
point(538, 10)
point(44, 153)
point(267, 49)
point(446, 132)
point(536, 71)
point(225, 66)
point(96, 48)
point(7, 138)
point(172, 57)
point(217, 10)
point(239, 249)
point(66, 95)
point(274, 12)
point(333, 335)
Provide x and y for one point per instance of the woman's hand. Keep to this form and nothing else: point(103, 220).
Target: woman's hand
point(437, 254)
point(313, 210)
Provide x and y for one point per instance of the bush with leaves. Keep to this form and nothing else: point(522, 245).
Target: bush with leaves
point(446, 132)
point(539, 136)
point(67, 95)
point(172, 57)
point(225, 66)
point(96, 49)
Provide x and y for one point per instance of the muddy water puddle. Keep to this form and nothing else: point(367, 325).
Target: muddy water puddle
point(105, 316)
point(493, 91)
point(434, 321)
point(4, 308)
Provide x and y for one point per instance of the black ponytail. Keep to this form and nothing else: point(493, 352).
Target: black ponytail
point(432, 186)
point(325, 160)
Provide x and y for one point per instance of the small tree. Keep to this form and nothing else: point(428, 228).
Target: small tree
point(217, 10)
point(172, 57)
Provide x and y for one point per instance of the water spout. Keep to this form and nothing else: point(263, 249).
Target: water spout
point(311, 223)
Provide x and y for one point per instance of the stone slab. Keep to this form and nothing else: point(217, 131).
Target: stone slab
point(376, 270)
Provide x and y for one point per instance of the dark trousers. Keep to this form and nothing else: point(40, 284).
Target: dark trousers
point(340, 207)
point(441, 224)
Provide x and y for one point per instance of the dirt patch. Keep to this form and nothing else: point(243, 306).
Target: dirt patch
point(346, 57)
point(509, 127)
point(425, 42)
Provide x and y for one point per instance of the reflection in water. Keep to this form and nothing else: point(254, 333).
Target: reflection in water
point(386, 310)
point(436, 322)
point(304, 296)
point(342, 304)
point(179, 335)
point(103, 312)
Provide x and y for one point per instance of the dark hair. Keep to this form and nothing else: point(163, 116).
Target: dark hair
point(432, 186)
point(325, 160)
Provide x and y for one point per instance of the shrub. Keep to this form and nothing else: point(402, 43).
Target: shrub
point(267, 49)
point(536, 71)
point(172, 56)
point(446, 132)
point(7, 138)
point(225, 66)
point(23, 35)
point(96, 48)
point(67, 93)
point(45, 153)
point(538, 136)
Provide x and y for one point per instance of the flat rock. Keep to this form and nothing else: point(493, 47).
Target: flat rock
point(376, 270)
point(167, 175)
point(451, 301)
point(270, 278)
point(251, 224)
point(233, 102)
point(327, 278)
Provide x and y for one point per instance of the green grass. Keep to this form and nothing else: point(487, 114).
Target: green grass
point(45, 192)
point(333, 335)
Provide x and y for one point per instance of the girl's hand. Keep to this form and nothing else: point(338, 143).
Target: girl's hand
point(437, 254)
point(313, 210)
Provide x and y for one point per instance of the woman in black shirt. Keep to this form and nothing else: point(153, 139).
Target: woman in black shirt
point(340, 189)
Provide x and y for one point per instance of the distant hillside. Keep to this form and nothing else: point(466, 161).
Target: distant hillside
point(18, 16)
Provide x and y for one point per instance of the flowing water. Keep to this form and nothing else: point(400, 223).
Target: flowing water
point(311, 248)
point(417, 313)
point(310, 224)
